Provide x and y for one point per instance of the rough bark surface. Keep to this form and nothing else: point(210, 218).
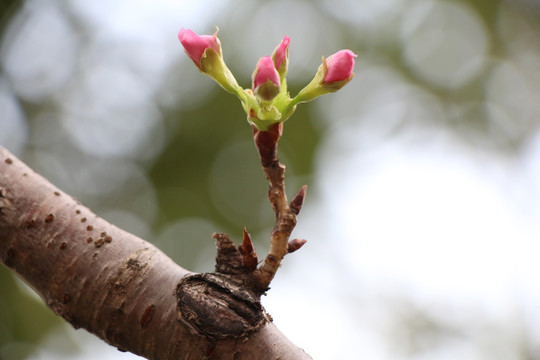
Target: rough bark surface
point(122, 288)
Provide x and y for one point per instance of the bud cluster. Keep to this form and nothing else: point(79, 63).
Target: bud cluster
point(268, 101)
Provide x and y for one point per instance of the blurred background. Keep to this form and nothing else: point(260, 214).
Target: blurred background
point(422, 216)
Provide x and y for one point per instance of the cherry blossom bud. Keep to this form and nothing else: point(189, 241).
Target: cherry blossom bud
point(196, 46)
point(333, 74)
point(339, 68)
point(266, 84)
point(205, 51)
point(281, 56)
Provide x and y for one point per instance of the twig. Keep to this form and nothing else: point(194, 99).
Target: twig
point(266, 143)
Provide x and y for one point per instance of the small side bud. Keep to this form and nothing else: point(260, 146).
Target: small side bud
point(298, 200)
point(295, 244)
point(247, 251)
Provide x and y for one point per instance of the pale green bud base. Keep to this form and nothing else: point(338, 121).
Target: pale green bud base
point(262, 110)
point(212, 64)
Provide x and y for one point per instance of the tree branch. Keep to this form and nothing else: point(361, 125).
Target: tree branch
point(125, 290)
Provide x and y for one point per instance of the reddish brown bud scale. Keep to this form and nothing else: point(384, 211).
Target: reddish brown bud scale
point(249, 256)
point(247, 244)
point(295, 244)
point(298, 200)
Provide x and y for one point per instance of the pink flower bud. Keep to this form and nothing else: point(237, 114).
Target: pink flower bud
point(333, 74)
point(197, 45)
point(282, 52)
point(266, 82)
point(339, 66)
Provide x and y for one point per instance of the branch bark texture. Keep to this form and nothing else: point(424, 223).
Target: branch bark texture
point(122, 288)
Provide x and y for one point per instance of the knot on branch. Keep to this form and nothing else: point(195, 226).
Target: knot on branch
point(216, 307)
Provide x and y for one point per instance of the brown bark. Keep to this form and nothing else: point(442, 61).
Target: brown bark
point(125, 290)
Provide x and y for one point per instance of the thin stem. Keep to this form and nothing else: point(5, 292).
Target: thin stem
point(266, 143)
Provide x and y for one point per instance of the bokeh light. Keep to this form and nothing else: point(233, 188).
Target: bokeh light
point(444, 43)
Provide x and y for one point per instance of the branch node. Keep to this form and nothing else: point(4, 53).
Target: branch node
point(266, 143)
